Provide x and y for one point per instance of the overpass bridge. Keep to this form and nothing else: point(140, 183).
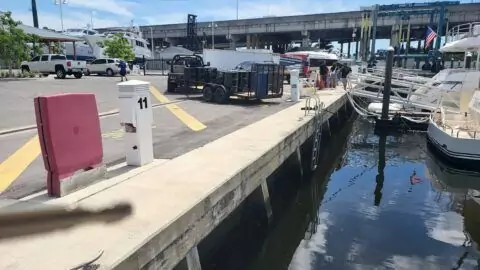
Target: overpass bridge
point(278, 32)
point(281, 30)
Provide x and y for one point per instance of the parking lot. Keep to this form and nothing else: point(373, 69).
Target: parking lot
point(181, 124)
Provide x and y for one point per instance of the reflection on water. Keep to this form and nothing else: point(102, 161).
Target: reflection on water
point(375, 202)
point(385, 208)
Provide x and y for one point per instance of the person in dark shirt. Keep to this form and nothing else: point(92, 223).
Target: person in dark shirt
point(123, 70)
point(343, 74)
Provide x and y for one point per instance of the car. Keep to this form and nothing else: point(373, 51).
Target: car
point(105, 66)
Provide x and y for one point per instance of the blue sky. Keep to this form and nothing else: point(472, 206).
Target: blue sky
point(105, 13)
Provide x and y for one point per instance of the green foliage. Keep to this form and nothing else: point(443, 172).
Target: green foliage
point(119, 47)
point(13, 41)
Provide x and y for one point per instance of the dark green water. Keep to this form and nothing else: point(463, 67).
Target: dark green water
point(375, 202)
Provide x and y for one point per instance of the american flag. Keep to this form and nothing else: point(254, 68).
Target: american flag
point(431, 35)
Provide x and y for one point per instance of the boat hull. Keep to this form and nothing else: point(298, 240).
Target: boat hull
point(459, 152)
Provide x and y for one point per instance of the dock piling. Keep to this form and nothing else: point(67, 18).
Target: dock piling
point(266, 199)
point(193, 259)
point(387, 84)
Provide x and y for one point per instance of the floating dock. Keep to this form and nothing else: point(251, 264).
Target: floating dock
point(177, 202)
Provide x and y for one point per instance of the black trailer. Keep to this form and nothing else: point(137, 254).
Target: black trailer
point(262, 81)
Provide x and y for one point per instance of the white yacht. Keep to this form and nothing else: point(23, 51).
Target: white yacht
point(455, 134)
point(134, 36)
point(83, 50)
point(93, 48)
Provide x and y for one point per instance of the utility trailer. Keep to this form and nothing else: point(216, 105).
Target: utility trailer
point(263, 81)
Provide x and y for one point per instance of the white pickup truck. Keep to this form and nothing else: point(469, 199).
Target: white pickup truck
point(55, 64)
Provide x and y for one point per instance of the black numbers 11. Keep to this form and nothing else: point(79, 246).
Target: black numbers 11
point(143, 103)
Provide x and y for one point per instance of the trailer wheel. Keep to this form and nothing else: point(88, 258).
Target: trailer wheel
point(171, 86)
point(221, 95)
point(208, 93)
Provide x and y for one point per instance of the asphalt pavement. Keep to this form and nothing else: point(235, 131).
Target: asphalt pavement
point(172, 133)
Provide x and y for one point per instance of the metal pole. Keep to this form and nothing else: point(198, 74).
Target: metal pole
point(91, 19)
point(367, 39)
point(61, 12)
point(407, 43)
point(213, 35)
point(152, 45)
point(362, 30)
point(387, 84)
point(237, 10)
point(446, 32)
point(35, 13)
point(441, 21)
point(374, 32)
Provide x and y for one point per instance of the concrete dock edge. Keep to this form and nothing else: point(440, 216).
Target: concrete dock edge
point(173, 242)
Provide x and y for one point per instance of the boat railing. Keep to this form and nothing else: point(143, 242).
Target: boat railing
point(472, 133)
point(399, 74)
point(455, 132)
point(463, 31)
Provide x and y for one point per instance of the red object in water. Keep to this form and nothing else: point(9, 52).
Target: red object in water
point(70, 136)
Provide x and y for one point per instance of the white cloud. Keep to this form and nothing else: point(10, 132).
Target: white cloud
point(73, 20)
point(111, 6)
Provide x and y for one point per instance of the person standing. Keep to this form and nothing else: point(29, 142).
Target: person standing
point(324, 74)
point(123, 70)
point(344, 73)
point(333, 76)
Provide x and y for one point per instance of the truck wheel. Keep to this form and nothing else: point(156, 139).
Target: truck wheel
point(78, 75)
point(221, 95)
point(25, 69)
point(61, 73)
point(208, 93)
point(110, 72)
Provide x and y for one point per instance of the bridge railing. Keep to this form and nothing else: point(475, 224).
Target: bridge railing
point(463, 31)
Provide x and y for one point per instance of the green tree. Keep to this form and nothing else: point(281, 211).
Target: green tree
point(118, 47)
point(13, 41)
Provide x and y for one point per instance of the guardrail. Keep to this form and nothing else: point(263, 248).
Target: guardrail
point(463, 31)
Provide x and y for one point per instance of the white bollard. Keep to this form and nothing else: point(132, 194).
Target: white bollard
point(294, 85)
point(137, 117)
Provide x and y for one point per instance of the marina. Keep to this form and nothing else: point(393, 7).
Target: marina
point(281, 152)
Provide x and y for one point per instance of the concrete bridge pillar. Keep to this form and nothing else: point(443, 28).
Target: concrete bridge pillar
point(171, 41)
point(255, 41)
point(356, 50)
point(306, 42)
point(233, 41)
point(341, 47)
point(348, 49)
point(248, 41)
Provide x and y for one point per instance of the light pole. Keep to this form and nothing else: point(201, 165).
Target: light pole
point(151, 38)
point(237, 10)
point(61, 3)
point(91, 18)
point(213, 25)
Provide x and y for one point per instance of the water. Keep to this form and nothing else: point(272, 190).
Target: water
point(367, 207)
